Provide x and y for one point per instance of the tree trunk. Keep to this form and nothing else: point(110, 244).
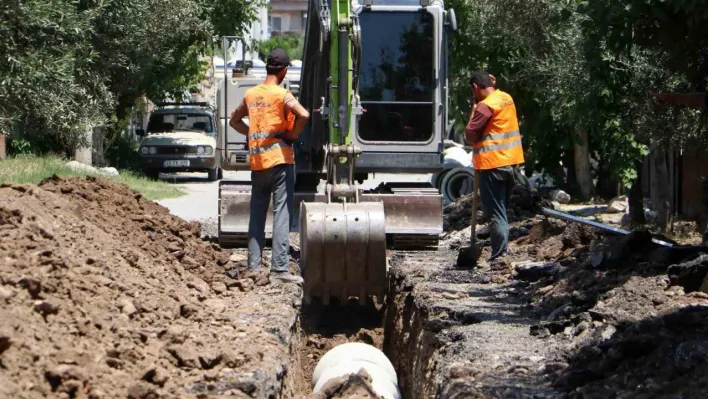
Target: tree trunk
point(661, 189)
point(582, 163)
point(636, 199)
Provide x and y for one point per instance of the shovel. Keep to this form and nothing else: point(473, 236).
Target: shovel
point(468, 256)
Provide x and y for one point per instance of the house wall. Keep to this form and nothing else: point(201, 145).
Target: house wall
point(290, 13)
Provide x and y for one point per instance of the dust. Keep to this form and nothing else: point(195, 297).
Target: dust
point(105, 294)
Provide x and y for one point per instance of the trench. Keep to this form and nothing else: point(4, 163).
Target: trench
point(395, 327)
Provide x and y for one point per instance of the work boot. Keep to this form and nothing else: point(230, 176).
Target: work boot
point(284, 277)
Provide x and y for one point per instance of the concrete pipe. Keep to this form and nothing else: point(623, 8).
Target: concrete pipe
point(349, 358)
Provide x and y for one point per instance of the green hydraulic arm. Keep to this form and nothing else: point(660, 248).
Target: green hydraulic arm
point(343, 239)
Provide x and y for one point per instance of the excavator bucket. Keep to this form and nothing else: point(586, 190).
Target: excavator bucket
point(413, 216)
point(343, 250)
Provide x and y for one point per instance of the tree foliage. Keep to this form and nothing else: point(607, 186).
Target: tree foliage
point(69, 65)
point(575, 65)
point(292, 43)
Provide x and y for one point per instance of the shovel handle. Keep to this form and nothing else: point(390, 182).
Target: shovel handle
point(475, 202)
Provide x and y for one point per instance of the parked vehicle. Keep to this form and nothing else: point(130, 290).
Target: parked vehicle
point(180, 137)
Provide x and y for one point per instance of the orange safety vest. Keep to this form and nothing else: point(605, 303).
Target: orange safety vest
point(500, 144)
point(267, 119)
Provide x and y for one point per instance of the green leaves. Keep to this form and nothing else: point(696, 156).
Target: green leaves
point(589, 64)
point(69, 65)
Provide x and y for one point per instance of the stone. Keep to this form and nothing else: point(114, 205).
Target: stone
point(617, 205)
point(32, 285)
point(186, 358)
point(6, 293)
point(690, 275)
point(80, 167)
point(110, 171)
point(608, 332)
point(534, 271)
point(141, 390)
point(560, 196)
point(187, 310)
point(46, 308)
point(218, 287)
point(127, 307)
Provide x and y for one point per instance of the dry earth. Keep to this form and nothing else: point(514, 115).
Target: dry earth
point(105, 294)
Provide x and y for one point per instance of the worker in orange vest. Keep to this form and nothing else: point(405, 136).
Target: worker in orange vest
point(276, 119)
point(493, 129)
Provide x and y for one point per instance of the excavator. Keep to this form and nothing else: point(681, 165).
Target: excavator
point(375, 80)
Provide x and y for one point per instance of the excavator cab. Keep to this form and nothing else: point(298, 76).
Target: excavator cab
point(374, 79)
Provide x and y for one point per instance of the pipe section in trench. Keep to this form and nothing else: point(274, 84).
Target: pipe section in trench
point(351, 357)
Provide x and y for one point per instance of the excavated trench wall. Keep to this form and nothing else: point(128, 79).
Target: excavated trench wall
point(399, 329)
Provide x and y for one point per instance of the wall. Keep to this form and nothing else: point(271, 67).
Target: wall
point(290, 13)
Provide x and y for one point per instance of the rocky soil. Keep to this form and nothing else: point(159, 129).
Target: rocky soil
point(569, 313)
point(105, 294)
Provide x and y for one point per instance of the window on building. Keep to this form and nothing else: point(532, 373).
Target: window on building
point(303, 20)
point(276, 24)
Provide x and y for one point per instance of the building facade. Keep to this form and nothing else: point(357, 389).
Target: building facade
point(287, 16)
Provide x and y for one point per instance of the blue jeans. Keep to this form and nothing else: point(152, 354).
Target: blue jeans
point(278, 182)
point(495, 187)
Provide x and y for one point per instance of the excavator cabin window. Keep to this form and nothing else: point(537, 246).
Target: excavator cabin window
point(396, 79)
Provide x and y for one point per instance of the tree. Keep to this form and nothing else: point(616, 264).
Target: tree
point(74, 64)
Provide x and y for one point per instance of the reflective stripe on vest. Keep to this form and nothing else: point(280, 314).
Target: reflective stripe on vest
point(500, 144)
point(263, 150)
point(267, 120)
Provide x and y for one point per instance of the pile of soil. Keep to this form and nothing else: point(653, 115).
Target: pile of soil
point(524, 204)
point(105, 294)
point(628, 315)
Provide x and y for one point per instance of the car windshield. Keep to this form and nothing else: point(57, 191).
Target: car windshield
point(160, 123)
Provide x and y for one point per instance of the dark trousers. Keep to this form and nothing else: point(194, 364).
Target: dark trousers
point(495, 187)
point(278, 182)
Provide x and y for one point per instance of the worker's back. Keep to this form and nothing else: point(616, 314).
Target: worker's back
point(500, 144)
point(268, 118)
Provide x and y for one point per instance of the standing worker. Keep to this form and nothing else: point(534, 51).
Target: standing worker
point(271, 132)
point(493, 129)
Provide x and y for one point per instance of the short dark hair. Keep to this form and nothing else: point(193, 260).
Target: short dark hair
point(481, 79)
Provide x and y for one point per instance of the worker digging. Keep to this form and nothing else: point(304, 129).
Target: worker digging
point(493, 129)
point(271, 131)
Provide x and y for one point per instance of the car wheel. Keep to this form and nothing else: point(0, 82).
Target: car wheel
point(457, 183)
point(220, 175)
point(213, 174)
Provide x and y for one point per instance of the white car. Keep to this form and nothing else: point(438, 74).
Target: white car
point(180, 137)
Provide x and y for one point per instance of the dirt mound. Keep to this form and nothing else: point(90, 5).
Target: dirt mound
point(523, 204)
point(105, 294)
point(624, 323)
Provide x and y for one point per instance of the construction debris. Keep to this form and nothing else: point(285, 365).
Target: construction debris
point(559, 196)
